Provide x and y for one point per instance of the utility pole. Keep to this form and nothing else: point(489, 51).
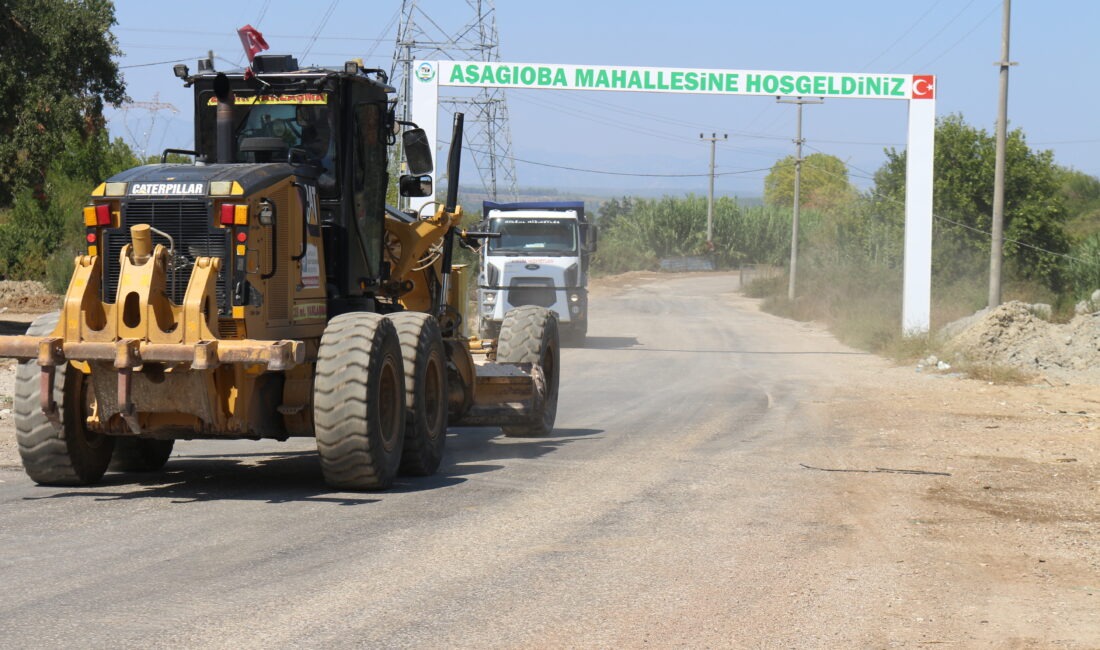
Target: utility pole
point(798, 140)
point(713, 139)
point(996, 244)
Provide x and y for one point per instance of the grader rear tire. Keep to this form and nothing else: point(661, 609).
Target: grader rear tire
point(140, 454)
point(359, 402)
point(530, 335)
point(72, 455)
point(425, 392)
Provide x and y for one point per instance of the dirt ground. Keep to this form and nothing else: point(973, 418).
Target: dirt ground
point(1016, 523)
point(1011, 526)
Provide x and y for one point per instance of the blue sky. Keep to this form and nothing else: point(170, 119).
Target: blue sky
point(1053, 97)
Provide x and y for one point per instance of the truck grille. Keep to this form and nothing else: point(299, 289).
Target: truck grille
point(531, 291)
point(192, 228)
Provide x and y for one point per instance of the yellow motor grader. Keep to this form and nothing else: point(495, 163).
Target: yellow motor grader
point(266, 291)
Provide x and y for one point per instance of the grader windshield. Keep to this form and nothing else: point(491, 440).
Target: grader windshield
point(267, 127)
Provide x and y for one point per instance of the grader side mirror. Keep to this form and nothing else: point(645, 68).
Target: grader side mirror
point(417, 152)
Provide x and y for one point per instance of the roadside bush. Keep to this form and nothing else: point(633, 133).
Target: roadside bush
point(1084, 267)
point(637, 233)
point(41, 235)
point(616, 255)
point(765, 287)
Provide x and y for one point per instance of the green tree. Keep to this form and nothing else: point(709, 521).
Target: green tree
point(56, 72)
point(824, 183)
point(963, 203)
point(1081, 194)
point(39, 239)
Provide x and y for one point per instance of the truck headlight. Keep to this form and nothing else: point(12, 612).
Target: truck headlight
point(574, 297)
point(575, 310)
point(490, 298)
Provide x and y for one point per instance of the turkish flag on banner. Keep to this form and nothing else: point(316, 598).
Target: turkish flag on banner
point(924, 86)
point(252, 40)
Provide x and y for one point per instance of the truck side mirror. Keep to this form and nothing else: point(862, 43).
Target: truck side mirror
point(415, 185)
point(592, 237)
point(418, 154)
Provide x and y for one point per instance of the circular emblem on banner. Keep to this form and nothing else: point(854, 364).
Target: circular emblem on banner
point(425, 72)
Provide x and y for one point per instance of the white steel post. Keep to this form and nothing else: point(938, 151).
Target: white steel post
point(917, 287)
point(425, 113)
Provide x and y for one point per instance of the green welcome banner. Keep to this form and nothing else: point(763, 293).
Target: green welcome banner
point(676, 80)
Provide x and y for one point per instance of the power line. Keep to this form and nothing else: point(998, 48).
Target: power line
point(385, 30)
point(936, 35)
point(874, 193)
point(614, 173)
point(973, 29)
point(273, 36)
point(1067, 142)
point(146, 65)
point(903, 35)
point(633, 128)
point(320, 27)
point(640, 175)
point(258, 24)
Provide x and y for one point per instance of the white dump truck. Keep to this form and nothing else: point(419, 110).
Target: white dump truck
point(538, 254)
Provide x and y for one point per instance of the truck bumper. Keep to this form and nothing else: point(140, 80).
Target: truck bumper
point(569, 304)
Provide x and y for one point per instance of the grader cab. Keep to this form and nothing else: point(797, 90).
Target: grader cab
point(266, 291)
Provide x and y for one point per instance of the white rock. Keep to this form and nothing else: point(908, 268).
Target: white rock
point(1042, 310)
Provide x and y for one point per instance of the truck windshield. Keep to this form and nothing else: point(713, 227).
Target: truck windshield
point(533, 236)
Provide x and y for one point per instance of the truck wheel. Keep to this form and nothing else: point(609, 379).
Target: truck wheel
point(359, 402)
point(574, 334)
point(530, 335)
point(425, 392)
point(140, 454)
point(488, 330)
point(72, 455)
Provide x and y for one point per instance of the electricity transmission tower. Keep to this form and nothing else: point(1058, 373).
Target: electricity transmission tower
point(421, 35)
point(153, 107)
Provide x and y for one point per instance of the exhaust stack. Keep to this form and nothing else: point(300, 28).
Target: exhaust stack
point(224, 119)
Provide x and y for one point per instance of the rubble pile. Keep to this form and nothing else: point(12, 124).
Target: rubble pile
point(1015, 335)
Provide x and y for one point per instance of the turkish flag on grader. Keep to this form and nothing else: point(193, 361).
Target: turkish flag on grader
point(252, 40)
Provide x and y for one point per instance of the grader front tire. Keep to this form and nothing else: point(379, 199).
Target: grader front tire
point(71, 455)
point(425, 392)
point(530, 335)
point(359, 402)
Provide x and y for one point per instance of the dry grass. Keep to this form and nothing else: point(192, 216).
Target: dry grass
point(996, 373)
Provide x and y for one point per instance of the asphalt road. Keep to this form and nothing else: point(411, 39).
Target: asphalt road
point(668, 509)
